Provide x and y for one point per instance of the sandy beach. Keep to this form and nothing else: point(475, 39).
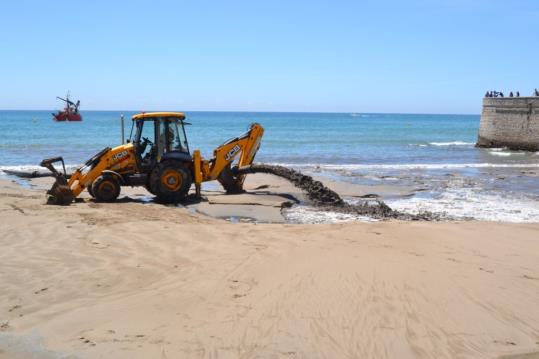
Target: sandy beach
point(140, 280)
point(269, 180)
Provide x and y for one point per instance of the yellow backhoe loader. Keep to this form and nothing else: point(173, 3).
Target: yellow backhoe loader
point(157, 157)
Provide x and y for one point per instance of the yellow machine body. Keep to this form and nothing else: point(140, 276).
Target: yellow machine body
point(119, 159)
point(165, 171)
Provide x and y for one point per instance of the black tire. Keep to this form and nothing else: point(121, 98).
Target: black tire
point(90, 191)
point(170, 181)
point(106, 188)
point(149, 188)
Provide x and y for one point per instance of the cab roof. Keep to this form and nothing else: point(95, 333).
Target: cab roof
point(178, 115)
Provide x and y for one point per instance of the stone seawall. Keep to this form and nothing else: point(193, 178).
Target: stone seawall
point(511, 122)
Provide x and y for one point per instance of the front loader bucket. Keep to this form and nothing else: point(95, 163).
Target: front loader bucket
point(60, 193)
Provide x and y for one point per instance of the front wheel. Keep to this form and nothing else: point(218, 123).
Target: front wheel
point(106, 188)
point(170, 181)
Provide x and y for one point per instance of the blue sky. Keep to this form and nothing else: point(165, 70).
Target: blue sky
point(329, 56)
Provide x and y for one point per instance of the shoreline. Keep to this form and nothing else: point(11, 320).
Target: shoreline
point(505, 194)
point(139, 280)
point(431, 157)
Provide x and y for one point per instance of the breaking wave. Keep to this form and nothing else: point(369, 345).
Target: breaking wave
point(409, 166)
point(452, 143)
point(34, 168)
point(505, 154)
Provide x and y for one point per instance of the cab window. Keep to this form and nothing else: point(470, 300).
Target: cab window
point(146, 130)
point(172, 136)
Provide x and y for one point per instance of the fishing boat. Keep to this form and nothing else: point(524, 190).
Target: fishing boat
point(70, 112)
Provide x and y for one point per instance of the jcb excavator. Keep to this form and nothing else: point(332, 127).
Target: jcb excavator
point(163, 164)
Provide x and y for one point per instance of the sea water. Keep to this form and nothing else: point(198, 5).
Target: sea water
point(433, 155)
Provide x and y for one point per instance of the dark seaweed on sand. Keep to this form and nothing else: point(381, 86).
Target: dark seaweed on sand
point(327, 199)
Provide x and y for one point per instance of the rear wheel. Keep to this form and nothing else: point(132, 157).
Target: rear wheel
point(149, 188)
point(106, 188)
point(170, 181)
point(90, 191)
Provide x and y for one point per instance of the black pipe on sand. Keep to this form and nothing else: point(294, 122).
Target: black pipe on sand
point(327, 199)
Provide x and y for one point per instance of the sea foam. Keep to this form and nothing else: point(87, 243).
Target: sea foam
point(311, 215)
point(470, 203)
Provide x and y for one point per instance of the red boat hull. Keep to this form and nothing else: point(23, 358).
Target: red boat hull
point(67, 116)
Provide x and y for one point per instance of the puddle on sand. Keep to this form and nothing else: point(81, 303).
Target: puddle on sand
point(239, 219)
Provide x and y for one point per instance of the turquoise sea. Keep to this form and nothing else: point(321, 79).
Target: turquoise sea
point(433, 154)
point(295, 138)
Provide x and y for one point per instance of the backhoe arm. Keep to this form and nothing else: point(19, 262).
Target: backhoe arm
point(246, 146)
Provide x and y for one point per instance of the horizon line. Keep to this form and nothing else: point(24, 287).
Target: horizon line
point(258, 111)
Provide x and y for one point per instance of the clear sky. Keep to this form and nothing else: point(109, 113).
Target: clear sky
point(330, 56)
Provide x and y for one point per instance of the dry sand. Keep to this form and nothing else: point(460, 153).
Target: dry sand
point(139, 280)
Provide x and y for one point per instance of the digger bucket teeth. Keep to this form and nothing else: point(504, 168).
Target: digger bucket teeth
point(60, 194)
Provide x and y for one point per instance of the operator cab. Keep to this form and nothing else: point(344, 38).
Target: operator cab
point(160, 136)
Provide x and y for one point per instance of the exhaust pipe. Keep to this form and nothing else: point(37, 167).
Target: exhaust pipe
point(122, 127)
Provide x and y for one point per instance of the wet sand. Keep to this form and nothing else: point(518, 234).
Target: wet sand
point(140, 280)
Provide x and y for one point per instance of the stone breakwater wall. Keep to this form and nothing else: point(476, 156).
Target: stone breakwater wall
point(511, 122)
